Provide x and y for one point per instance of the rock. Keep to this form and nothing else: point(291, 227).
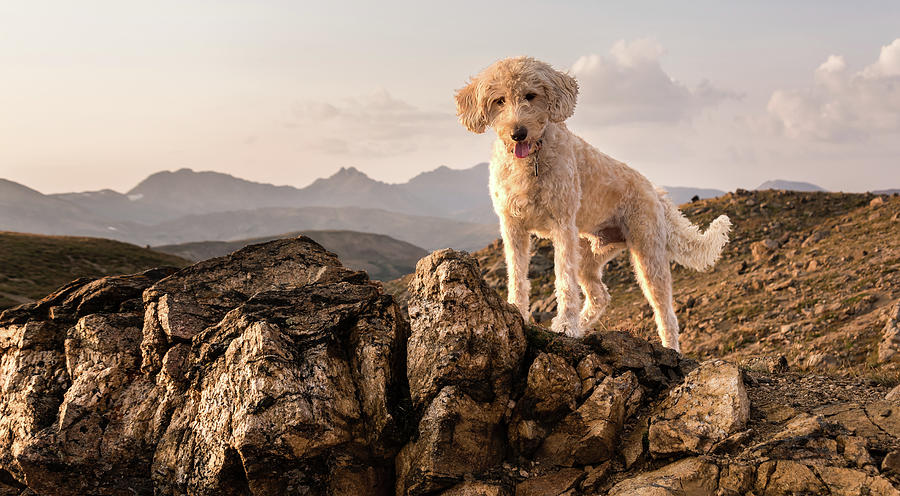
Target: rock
point(463, 333)
point(709, 406)
point(736, 479)
point(770, 364)
point(596, 476)
point(551, 391)
point(822, 362)
point(786, 477)
point(889, 345)
point(456, 436)
point(848, 482)
point(855, 451)
point(590, 434)
point(553, 385)
point(275, 356)
point(693, 476)
point(475, 489)
point(762, 249)
point(553, 484)
point(813, 239)
point(893, 394)
point(634, 444)
point(891, 463)
point(465, 347)
point(876, 202)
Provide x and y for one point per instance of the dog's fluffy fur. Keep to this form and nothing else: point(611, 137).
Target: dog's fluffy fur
point(590, 205)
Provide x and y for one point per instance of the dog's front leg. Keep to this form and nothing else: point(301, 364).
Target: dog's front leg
point(566, 260)
point(517, 248)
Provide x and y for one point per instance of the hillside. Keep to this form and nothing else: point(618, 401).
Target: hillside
point(806, 275)
point(383, 257)
point(31, 266)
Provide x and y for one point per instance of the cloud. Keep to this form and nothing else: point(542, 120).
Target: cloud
point(373, 125)
point(630, 85)
point(842, 105)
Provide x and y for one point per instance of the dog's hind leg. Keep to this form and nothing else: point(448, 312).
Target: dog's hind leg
point(565, 265)
point(651, 266)
point(517, 249)
point(594, 256)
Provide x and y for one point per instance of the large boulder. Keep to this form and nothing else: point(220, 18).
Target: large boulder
point(708, 407)
point(464, 352)
point(246, 374)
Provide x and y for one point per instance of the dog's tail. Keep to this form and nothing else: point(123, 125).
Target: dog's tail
point(687, 245)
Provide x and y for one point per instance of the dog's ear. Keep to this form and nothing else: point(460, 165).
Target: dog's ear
point(563, 92)
point(468, 108)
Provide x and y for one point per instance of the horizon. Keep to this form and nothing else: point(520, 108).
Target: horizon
point(706, 95)
point(195, 171)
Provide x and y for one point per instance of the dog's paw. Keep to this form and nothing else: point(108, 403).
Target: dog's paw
point(569, 328)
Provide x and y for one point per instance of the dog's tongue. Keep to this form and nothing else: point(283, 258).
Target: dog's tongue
point(522, 149)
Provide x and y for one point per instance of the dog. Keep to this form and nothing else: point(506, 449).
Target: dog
point(549, 182)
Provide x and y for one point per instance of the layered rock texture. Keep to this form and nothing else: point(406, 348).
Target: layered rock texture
point(276, 371)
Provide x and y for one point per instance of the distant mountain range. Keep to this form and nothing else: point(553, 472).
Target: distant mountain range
point(382, 257)
point(789, 185)
point(436, 209)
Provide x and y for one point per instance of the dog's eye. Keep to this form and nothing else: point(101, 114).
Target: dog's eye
point(500, 101)
point(530, 96)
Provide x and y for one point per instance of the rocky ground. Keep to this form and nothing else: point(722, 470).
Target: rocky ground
point(811, 276)
point(275, 371)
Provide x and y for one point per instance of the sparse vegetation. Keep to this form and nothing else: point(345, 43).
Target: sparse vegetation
point(31, 265)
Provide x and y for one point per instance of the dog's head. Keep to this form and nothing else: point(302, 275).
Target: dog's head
point(517, 97)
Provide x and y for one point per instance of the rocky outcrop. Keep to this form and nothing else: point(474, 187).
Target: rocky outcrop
point(271, 371)
point(277, 371)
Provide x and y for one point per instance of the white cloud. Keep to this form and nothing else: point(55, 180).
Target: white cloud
point(630, 85)
point(842, 105)
point(373, 125)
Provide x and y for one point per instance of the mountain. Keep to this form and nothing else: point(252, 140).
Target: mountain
point(382, 257)
point(428, 232)
point(188, 192)
point(33, 265)
point(349, 187)
point(24, 209)
point(789, 186)
point(895, 191)
point(681, 195)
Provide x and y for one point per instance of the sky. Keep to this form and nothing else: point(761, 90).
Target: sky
point(99, 94)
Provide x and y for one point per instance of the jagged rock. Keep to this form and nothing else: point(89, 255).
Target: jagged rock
point(465, 347)
point(463, 333)
point(553, 484)
point(889, 345)
point(259, 369)
point(693, 476)
point(475, 489)
point(762, 249)
point(551, 391)
point(848, 482)
point(820, 362)
point(590, 434)
point(709, 406)
point(770, 364)
point(893, 394)
point(786, 477)
point(891, 463)
point(62, 366)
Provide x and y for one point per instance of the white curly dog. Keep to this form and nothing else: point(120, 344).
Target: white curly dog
point(549, 182)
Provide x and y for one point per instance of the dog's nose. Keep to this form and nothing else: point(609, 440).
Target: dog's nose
point(520, 133)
